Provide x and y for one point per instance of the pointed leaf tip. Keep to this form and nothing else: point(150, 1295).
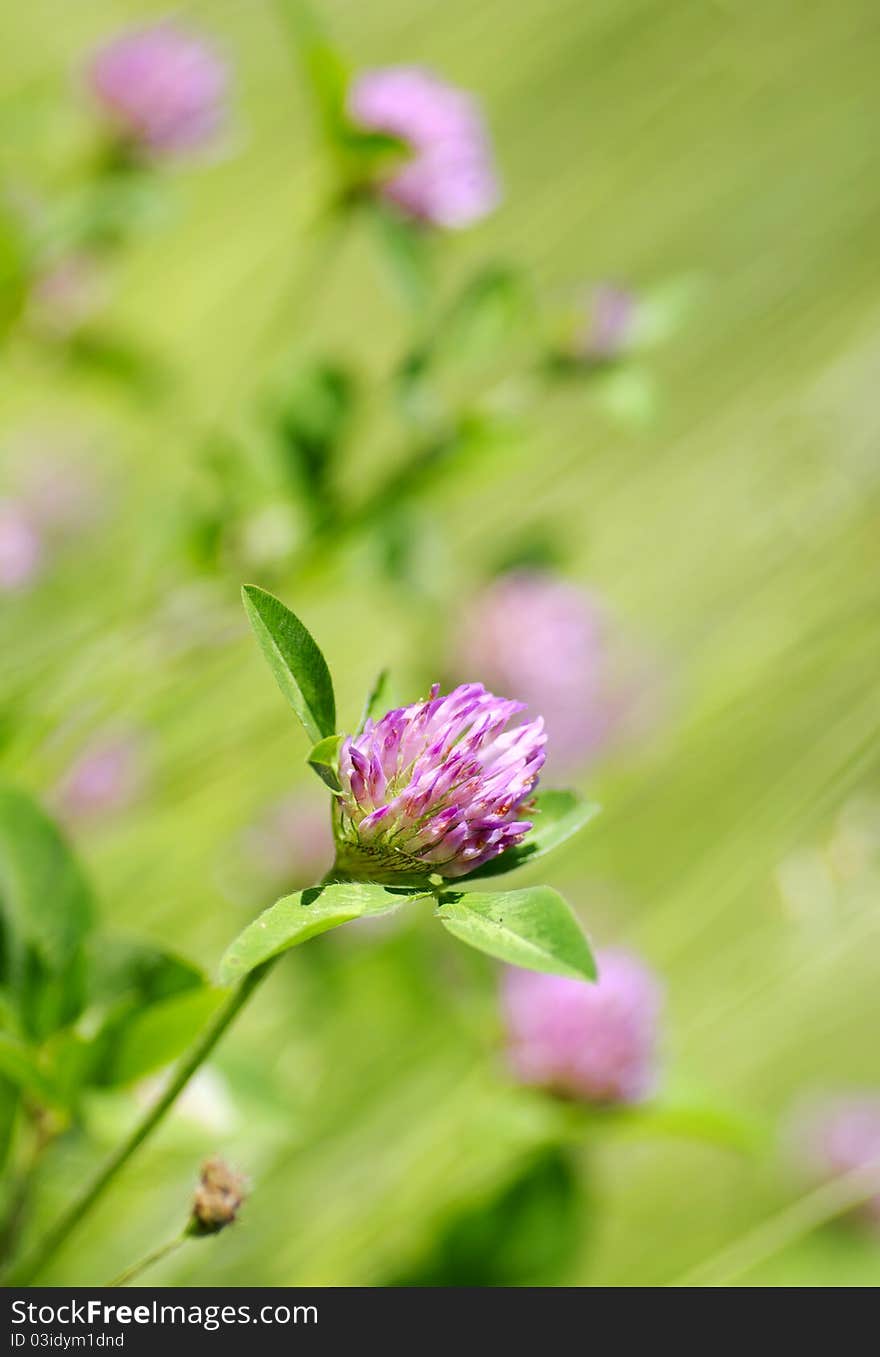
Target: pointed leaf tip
point(295, 659)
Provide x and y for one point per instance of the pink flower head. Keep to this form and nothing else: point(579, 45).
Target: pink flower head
point(292, 844)
point(449, 179)
point(439, 786)
point(839, 1135)
point(63, 493)
point(65, 295)
point(21, 547)
point(608, 329)
point(106, 777)
point(593, 1042)
point(164, 89)
point(536, 635)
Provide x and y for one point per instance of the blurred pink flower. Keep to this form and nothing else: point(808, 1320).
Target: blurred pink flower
point(593, 1042)
point(64, 295)
point(839, 1135)
point(291, 846)
point(549, 642)
point(450, 179)
point(21, 547)
point(608, 328)
point(63, 494)
point(163, 88)
point(106, 777)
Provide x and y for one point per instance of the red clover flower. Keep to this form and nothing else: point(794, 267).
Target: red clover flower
point(440, 786)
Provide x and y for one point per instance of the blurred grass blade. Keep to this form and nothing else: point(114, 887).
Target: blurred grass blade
point(378, 700)
point(304, 915)
point(558, 815)
point(295, 659)
point(533, 928)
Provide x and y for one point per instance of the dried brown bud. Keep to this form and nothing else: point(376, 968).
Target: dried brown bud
point(218, 1197)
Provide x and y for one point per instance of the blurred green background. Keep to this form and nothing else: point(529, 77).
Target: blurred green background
point(723, 495)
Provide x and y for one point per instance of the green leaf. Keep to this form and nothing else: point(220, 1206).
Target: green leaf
point(324, 67)
point(314, 419)
point(378, 700)
point(406, 251)
point(663, 311)
point(359, 153)
point(524, 1234)
point(324, 759)
point(122, 200)
point(132, 971)
point(113, 357)
point(557, 816)
point(10, 1097)
point(532, 928)
point(296, 918)
point(14, 266)
point(371, 155)
point(41, 884)
point(687, 1112)
point(152, 1003)
point(294, 658)
point(46, 912)
point(628, 394)
point(19, 1066)
point(490, 309)
point(153, 1038)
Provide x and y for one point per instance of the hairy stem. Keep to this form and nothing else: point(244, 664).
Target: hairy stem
point(93, 1191)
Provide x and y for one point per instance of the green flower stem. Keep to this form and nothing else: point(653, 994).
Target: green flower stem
point(164, 1251)
point(82, 1205)
point(21, 1194)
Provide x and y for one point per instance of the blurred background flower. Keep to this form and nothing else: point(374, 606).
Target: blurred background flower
point(255, 404)
point(163, 89)
point(290, 846)
point(840, 1134)
point(535, 634)
point(594, 1043)
point(609, 325)
point(65, 294)
point(448, 178)
point(55, 496)
point(105, 778)
point(21, 548)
